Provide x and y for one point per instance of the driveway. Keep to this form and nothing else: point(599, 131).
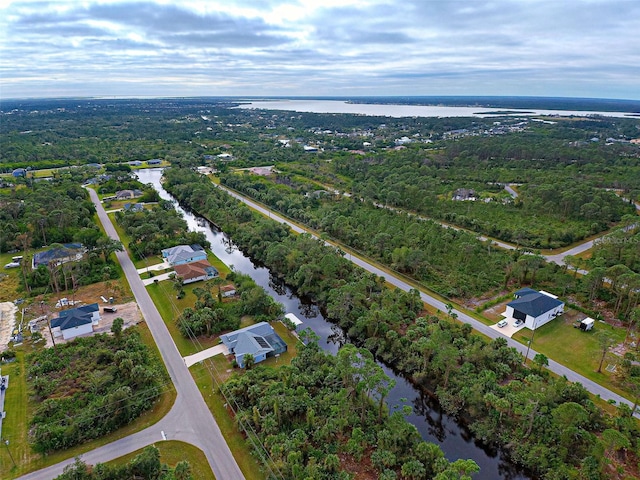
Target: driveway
point(159, 278)
point(204, 354)
point(154, 268)
point(508, 330)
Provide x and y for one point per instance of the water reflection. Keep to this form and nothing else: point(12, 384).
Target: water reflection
point(433, 425)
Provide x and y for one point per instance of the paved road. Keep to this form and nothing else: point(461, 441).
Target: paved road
point(555, 367)
point(189, 420)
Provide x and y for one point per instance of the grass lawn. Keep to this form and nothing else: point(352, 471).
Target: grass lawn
point(575, 348)
point(220, 367)
point(164, 297)
point(9, 279)
point(172, 452)
point(19, 410)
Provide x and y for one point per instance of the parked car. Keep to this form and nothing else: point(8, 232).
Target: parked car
point(502, 323)
point(518, 322)
point(110, 309)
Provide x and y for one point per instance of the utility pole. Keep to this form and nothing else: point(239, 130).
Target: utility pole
point(6, 443)
point(530, 341)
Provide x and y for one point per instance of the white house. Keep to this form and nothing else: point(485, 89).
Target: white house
point(535, 308)
point(76, 321)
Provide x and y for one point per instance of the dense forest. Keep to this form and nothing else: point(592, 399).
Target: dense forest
point(152, 230)
point(89, 387)
point(428, 252)
point(547, 424)
point(323, 417)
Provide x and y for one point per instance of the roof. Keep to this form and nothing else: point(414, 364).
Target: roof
point(534, 304)
point(195, 269)
point(249, 343)
point(525, 291)
point(84, 309)
point(293, 318)
point(181, 252)
point(261, 329)
point(67, 250)
point(71, 321)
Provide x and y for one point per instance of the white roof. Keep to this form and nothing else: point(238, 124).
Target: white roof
point(548, 294)
point(295, 320)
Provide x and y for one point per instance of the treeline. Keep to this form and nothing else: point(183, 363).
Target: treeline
point(440, 258)
point(553, 210)
point(46, 213)
point(152, 230)
point(323, 417)
point(89, 387)
point(211, 315)
point(145, 466)
point(547, 424)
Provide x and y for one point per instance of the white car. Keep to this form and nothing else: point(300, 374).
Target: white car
point(12, 265)
point(502, 323)
point(518, 322)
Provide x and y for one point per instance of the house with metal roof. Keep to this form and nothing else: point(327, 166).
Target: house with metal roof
point(259, 340)
point(534, 308)
point(75, 321)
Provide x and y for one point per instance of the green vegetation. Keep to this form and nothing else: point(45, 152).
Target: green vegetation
point(323, 417)
point(506, 403)
point(145, 465)
point(90, 387)
point(435, 256)
point(152, 230)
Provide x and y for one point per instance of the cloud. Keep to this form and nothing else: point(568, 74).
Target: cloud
point(307, 47)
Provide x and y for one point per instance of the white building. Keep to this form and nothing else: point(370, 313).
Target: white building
point(535, 308)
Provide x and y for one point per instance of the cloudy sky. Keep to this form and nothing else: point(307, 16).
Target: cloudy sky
point(582, 48)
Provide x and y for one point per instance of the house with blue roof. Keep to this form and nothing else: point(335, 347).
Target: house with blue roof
point(534, 308)
point(259, 340)
point(76, 321)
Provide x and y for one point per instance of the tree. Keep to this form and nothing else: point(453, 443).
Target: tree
point(541, 360)
point(116, 327)
point(605, 341)
point(249, 361)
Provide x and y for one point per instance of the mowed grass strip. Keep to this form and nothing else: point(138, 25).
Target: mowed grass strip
point(174, 451)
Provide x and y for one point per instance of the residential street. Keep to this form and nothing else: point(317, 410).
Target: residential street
point(189, 419)
point(555, 367)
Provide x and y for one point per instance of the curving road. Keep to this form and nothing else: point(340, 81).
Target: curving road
point(189, 420)
point(555, 367)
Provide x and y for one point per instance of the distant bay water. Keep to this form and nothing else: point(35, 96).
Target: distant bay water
point(398, 111)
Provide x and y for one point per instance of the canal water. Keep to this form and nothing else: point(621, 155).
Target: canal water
point(432, 423)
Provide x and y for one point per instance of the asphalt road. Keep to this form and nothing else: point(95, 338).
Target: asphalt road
point(189, 420)
point(555, 367)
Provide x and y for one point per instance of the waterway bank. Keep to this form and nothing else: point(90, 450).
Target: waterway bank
point(434, 426)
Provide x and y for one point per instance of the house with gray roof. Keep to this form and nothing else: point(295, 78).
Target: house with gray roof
point(535, 308)
point(259, 340)
point(182, 254)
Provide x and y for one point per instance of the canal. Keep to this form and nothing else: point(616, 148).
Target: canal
point(433, 424)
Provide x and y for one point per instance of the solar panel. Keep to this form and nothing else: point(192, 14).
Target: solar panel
point(262, 342)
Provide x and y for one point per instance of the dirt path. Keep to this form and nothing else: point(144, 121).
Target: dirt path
point(8, 313)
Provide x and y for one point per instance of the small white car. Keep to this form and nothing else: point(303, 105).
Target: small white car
point(518, 322)
point(502, 323)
